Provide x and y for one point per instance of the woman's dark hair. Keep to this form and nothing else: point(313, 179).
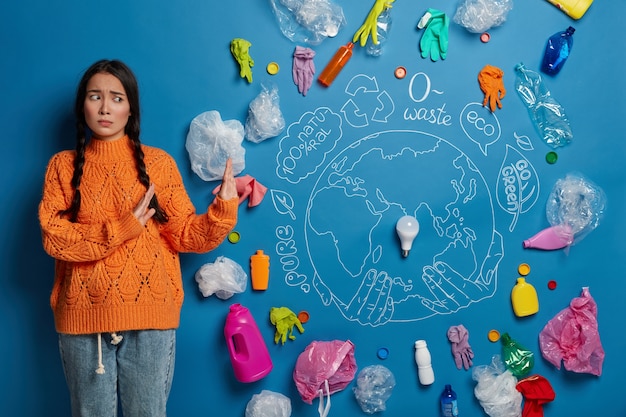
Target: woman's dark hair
point(120, 71)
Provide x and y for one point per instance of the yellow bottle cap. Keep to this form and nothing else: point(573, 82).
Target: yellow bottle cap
point(523, 269)
point(493, 335)
point(272, 68)
point(234, 237)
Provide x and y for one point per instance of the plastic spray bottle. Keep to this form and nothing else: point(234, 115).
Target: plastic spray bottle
point(557, 50)
point(449, 407)
point(248, 353)
point(336, 64)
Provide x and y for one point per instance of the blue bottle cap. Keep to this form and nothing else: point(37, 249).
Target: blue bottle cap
point(382, 353)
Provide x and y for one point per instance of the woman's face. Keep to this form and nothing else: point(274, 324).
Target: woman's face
point(106, 107)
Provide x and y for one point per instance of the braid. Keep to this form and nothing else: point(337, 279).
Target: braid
point(143, 177)
point(79, 163)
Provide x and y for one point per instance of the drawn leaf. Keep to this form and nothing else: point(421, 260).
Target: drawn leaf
point(283, 203)
point(518, 185)
point(523, 142)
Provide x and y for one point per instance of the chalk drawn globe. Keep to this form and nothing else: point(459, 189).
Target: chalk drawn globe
point(352, 242)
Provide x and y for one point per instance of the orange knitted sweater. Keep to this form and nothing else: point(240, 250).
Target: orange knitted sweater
point(112, 274)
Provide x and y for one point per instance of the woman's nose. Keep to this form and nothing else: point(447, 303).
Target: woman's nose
point(104, 108)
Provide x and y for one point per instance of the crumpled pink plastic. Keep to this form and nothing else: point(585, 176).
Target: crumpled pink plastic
point(572, 337)
point(324, 360)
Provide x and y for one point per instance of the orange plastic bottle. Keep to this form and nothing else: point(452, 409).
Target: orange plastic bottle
point(336, 64)
point(260, 270)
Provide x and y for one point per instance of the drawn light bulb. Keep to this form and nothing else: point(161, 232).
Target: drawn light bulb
point(407, 228)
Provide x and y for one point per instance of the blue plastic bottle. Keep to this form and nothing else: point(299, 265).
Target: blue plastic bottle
point(449, 406)
point(545, 112)
point(557, 50)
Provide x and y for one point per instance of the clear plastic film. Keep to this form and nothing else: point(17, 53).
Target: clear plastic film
point(576, 202)
point(308, 21)
point(265, 120)
point(477, 16)
point(374, 386)
point(496, 389)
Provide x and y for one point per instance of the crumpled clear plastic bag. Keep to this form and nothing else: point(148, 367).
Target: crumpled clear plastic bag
point(496, 389)
point(308, 21)
point(374, 386)
point(224, 278)
point(572, 337)
point(268, 404)
point(321, 361)
point(265, 120)
point(211, 141)
point(576, 202)
point(477, 16)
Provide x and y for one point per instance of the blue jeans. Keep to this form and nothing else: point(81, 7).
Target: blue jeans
point(140, 366)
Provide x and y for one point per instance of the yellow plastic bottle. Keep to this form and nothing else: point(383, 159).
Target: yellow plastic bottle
point(524, 298)
point(573, 8)
point(260, 270)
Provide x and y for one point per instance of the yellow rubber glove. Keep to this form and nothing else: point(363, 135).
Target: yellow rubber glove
point(284, 320)
point(370, 27)
point(240, 50)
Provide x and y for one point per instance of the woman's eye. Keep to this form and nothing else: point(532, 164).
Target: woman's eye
point(118, 99)
point(94, 97)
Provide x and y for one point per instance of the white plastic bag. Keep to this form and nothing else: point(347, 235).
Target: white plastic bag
point(268, 404)
point(223, 278)
point(211, 141)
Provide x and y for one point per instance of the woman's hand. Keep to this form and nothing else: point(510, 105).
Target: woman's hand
point(142, 212)
point(228, 189)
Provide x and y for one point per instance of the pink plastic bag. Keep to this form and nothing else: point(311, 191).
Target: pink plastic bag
point(572, 337)
point(331, 361)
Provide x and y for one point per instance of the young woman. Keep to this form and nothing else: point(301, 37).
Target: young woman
point(118, 291)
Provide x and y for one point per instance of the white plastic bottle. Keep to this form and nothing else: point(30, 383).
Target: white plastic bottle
point(424, 367)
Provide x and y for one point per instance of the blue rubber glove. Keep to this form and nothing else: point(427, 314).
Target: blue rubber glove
point(303, 68)
point(434, 42)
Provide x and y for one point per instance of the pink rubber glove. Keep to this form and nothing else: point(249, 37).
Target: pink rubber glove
point(461, 350)
point(303, 68)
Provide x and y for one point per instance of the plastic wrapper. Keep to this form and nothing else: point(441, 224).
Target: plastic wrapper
point(572, 337)
point(211, 141)
point(324, 361)
point(576, 202)
point(268, 404)
point(477, 16)
point(374, 386)
point(496, 389)
point(308, 21)
point(517, 358)
point(224, 278)
point(265, 120)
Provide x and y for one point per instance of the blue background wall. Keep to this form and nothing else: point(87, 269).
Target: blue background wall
point(180, 53)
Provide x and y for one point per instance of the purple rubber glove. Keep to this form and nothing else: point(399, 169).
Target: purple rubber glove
point(303, 68)
point(461, 350)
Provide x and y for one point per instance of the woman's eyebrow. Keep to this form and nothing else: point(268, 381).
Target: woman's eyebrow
point(96, 90)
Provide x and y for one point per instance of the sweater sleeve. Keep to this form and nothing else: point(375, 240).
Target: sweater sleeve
point(76, 242)
point(187, 231)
